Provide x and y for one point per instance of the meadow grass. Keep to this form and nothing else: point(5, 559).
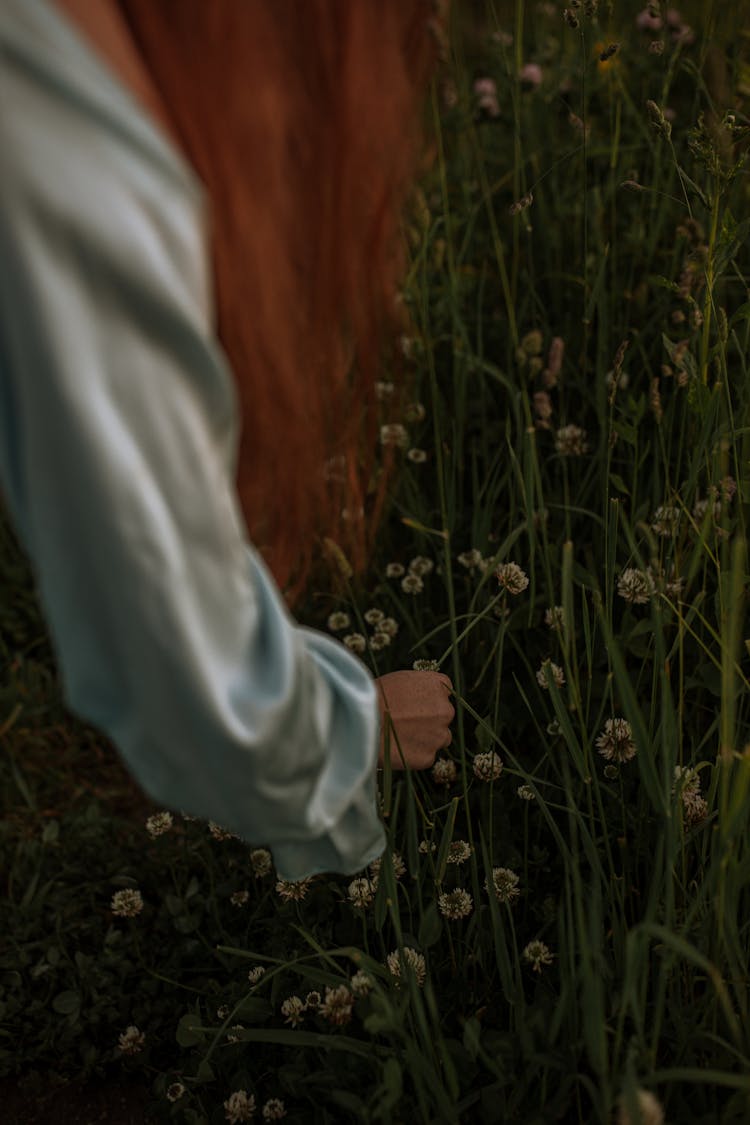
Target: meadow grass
point(573, 505)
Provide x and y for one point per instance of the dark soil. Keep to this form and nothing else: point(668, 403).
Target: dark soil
point(73, 1104)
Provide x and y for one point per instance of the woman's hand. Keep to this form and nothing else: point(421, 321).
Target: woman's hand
point(416, 713)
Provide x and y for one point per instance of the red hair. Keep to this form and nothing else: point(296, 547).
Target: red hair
point(301, 117)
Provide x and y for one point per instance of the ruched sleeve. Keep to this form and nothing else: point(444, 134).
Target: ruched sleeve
point(118, 433)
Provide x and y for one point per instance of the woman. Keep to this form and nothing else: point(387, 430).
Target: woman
point(188, 186)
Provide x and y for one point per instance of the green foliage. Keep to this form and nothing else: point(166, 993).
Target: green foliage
point(577, 910)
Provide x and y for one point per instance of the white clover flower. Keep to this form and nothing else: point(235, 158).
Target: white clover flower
point(537, 954)
point(421, 565)
point(379, 641)
point(470, 559)
point(426, 848)
point(458, 851)
point(175, 1091)
point(701, 507)
point(666, 520)
point(455, 904)
point(397, 863)
point(416, 456)
point(650, 1111)
point(338, 621)
point(636, 586)
point(131, 1041)
point(413, 961)
point(256, 973)
point(415, 412)
point(393, 433)
point(239, 898)
point(526, 793)
point(554, 618)
point(512, 578)
point(412, 584)
point(312, 1001)
point(337, 1006)
point(615, 742)
point(273, 1110)
point(687, 784)
point(234, 1034)
point(395, 570)
point(220, 833)
point(222, 1012)
point(488, 766)
point(444, 771)
point(127, 903)
point(550, 671)
point(261, 862)
point(426, 666)
point(293, 890)
point(384, 390)
point(159, 823)
point(355, 642)
point(570, 441)
point(293, 1010)
point(361, 893)
point(361, 983)
point(504, 885)
point(373, 616)
point(239, 1106)
point(388, 625)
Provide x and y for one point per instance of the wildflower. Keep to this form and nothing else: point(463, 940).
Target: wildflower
point(458, 851)
point(536, 954)
point(412, 584)
point(488, 766)
point(394, 570)
point(337, 1006)
point(616, 741)
point(470, 559)
point(393, 433)
point(542, 410)
point(312, 1001)
point(420, 566)
point(397, 864)
point(415, 412)
point(512, 578)
point(388, 625)
point(455, 904)
point(570, 441)
point(504, 885)
point(273, 1110)
point(373, 616)
point(293, 890)
point(554, 618)
point(261, 862)
point(239, 898)
point(131, 1041)
point(127, 903)
point(656, 47)
point(384, 390)
point(549, 672)
point(486, 93)
point(409, 958)
point(444, 772)
point(636, 586)
point(425, 848)
point(426, 666)
point(416, 456)
point(666, 520)
point(532, 342)
point(222, 1012)
point(648, 20)
point(526, 793)
point(702, 507)
point(355, 642)
point(650, 1111)
point(220, 833)
point(379, 641)
point(552, 371)
point(256, 973)
point(530, 76)
point(338, 621)
point(239, 1106)
point(233, 1035)
point(175, 1092)
point(361, 983)
point(361, 893)
point(687, 783)
point(159, 823)
point(293, 1010)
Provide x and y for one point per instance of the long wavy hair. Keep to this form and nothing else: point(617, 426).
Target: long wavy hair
point(302, 119)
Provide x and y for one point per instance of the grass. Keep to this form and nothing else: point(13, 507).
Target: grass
point(631, 869)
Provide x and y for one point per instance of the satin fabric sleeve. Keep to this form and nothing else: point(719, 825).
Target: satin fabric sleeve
point(118, 434)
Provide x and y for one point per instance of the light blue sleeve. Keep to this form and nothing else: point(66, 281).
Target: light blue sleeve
point(117, 447)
